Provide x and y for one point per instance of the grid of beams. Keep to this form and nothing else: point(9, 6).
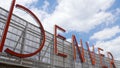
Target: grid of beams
point(24, 37)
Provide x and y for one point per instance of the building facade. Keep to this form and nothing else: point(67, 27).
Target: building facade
point(24, 37)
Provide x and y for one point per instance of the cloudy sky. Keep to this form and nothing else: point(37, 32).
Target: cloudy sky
point(95, 21)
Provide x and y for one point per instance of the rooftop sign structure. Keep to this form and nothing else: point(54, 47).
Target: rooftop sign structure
point(21, 41)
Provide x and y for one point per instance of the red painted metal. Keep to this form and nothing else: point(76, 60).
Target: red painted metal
point(4, 35)
point(74, 43)
point(91, 54)
point(112, 64)
point(101, 57)
point(55, 41)
point(104, 67)
point(62, 54)
point(61, 37)
point(94, 56)
point(74, 48)
point(82, 50)
point(42, 31)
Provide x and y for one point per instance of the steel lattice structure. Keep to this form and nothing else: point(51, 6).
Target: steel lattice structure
point(24, 37)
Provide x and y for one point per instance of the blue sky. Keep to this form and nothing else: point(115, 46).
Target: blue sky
point(94, 21)
point(50, 8)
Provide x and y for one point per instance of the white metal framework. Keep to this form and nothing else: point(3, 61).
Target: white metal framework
point(24, 37)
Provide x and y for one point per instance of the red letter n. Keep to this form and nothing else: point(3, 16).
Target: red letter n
point(81, 54)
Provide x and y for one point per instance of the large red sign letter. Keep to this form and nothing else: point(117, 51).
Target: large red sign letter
point(55, 41)
point(42, 32)
point(6, 26)
point(101, 58)
point(112, 64)
point(91, 54)
point(81, 54)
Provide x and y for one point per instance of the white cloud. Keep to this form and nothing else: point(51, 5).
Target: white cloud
point(111, 46)
point(6, 3)
point(29, 4)
point(45, 6)
point(106, 33)
point(80, 15)
point(26, 2)
point(69, 39)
